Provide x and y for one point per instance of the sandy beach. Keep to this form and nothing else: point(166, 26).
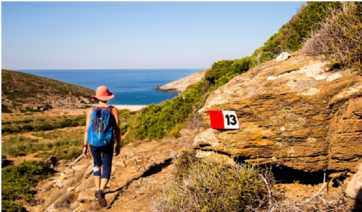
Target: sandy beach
point(130, 107)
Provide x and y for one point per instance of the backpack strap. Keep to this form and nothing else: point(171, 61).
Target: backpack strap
point(109, 108)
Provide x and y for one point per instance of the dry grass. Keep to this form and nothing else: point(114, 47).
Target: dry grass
point(320, 202)
point(209, 186)
point(340, 37)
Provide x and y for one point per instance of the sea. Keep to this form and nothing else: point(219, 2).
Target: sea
point(130, 86)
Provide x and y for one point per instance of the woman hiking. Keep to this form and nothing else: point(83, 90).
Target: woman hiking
point(101, 124)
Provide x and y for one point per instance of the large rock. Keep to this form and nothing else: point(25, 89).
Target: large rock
point(354, 188)
point(296, 113)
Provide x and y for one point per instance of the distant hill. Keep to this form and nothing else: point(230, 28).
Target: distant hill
point(180, 85)
point(22, 91)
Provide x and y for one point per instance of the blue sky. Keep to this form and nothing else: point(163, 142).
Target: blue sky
point(135, 35)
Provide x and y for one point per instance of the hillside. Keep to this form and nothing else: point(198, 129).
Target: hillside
point(29, 92)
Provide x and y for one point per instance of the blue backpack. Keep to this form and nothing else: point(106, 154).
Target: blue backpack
point(100, 131)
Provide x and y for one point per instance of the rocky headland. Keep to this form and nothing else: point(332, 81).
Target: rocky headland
point(180, 85)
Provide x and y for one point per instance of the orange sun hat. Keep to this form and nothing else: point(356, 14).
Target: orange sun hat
point(103, 94)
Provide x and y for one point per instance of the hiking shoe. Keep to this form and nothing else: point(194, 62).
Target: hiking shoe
point(101, 199)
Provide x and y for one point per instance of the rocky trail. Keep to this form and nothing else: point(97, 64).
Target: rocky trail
point(138, 176)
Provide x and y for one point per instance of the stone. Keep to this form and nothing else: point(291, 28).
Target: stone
point(86, 195)
point(297, 114)
point(354, 188)
point(38, 208)
point(50, 162)
point(212, 156)
point(283, 56)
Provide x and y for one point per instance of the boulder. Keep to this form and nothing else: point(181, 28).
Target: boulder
point(297, 113)
point(354, 188)
point(283, 56)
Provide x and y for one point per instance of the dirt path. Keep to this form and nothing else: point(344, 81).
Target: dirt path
point(138, 175)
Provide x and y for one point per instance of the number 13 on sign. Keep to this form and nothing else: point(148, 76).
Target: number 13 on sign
point(222, 119)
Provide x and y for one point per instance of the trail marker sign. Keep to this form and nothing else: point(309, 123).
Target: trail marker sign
point(223, 119)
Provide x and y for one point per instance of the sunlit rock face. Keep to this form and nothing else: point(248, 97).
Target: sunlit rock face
point(297, 113)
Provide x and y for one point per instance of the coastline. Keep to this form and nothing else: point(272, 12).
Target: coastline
point(130, 107)
point(180, 85)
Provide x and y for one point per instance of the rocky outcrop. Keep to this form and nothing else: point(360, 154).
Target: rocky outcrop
point(178, 86)
point(354, 188)
point(297, 113)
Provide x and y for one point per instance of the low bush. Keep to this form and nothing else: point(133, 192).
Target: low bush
point(124, 128)
point(18, 146)
point(209, 186)
point(15, 146)
point(10, 130)
point(223, 71)
point(340, 37)
point(26, 121)
point(291, 35)
point(28, 109)
point(156, 121)
point(41, 126)
point(7, 205)
point(17, 182)
point(5, 109)
point(70, 154)
point(27, 128)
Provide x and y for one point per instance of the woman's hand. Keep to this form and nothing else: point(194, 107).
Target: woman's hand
point(117, 150)
point(85, 151)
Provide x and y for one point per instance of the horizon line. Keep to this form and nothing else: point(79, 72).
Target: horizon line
point(102, 69)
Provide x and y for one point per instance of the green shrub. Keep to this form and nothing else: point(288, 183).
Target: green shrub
point(11, 97)
point(3, 159)
point(124, 128)
point(340, 38)
point(175, 132)
point(69, 154)
point(209, 186)
point(17, 182)
point(17, 146)
point(5, 109)
point(291, 36)
point(44, 127)
point(27, 128)
point(23, 121)
point(7, 205)
point(223, 71)
point(9, 130)
point(156, 121)
point(14, 104)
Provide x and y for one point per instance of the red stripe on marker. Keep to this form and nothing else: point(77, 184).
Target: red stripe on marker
point(216, 119)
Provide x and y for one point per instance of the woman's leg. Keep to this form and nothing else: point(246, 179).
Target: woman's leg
point(97, 165)
point(107, 165)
